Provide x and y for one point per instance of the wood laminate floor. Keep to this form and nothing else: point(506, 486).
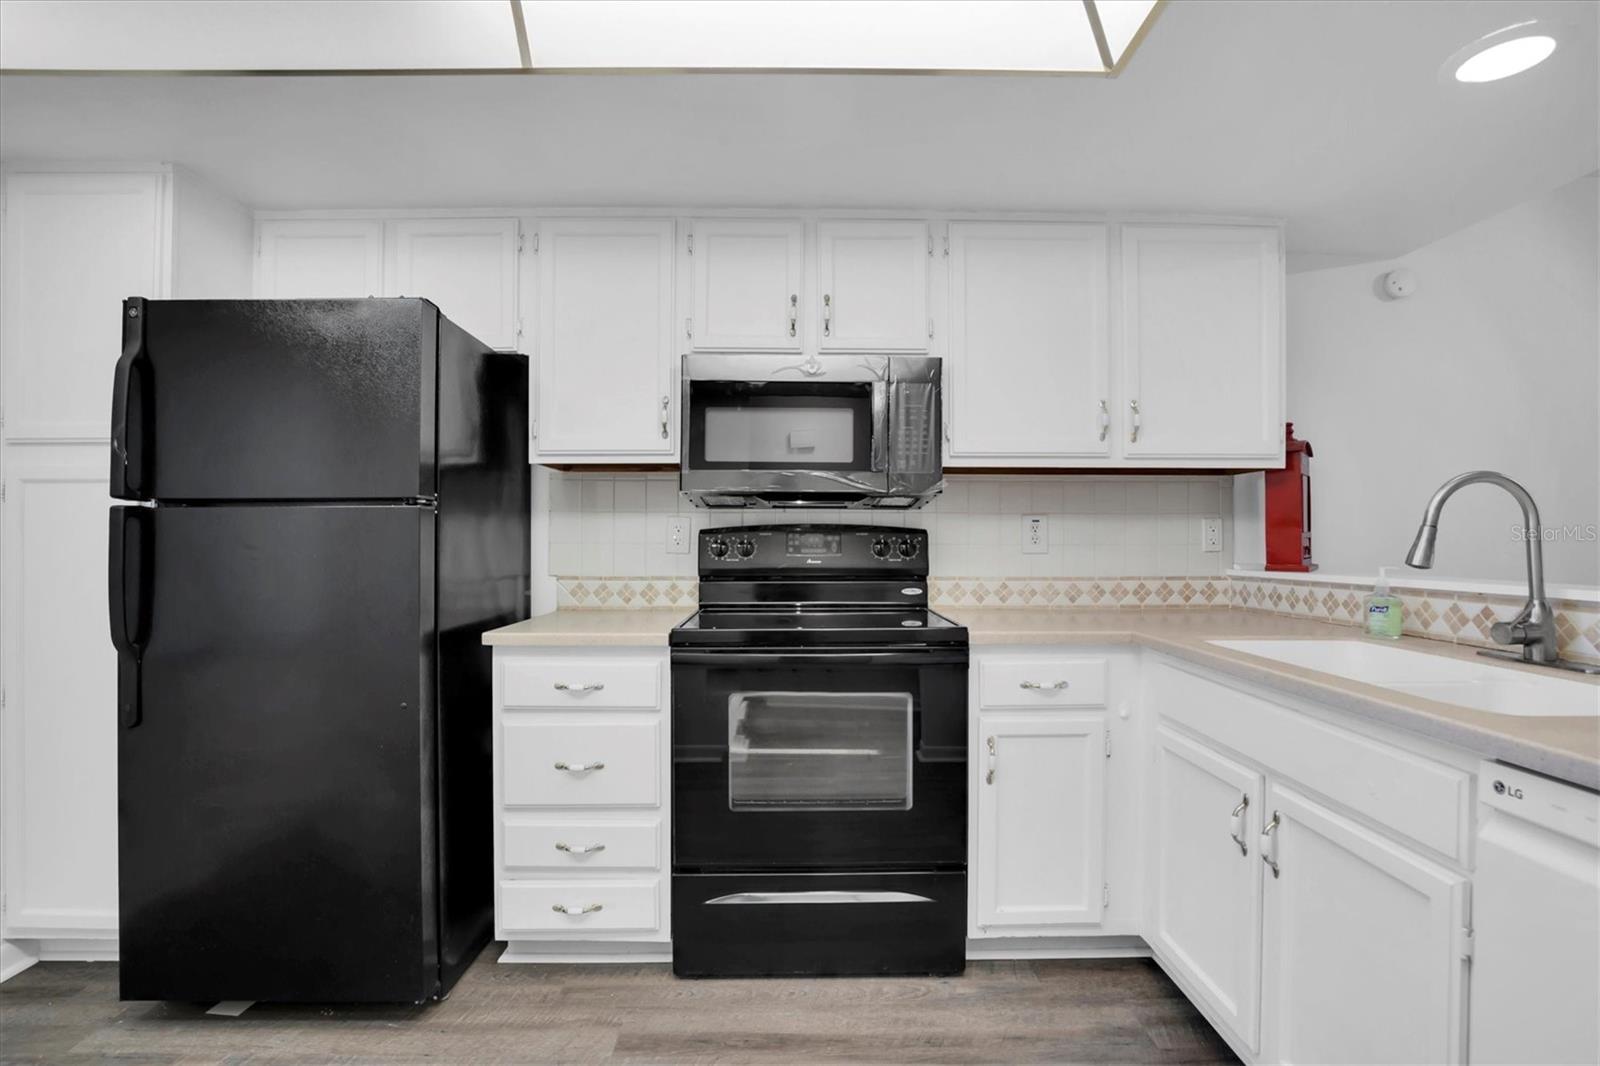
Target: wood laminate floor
point(1123, 1010)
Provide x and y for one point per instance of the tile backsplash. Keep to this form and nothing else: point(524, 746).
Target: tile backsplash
point(614, 526)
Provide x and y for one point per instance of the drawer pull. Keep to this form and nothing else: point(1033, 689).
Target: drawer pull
point(593, 686)
point(1236, 824)
point(580, 768)
point(587, 849)
point(1034, 686)
point(587, 908)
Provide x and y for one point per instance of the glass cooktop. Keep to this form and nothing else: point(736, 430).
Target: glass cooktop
point(817, 625)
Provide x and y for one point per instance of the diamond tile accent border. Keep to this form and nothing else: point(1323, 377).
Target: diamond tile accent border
point(1457, 617)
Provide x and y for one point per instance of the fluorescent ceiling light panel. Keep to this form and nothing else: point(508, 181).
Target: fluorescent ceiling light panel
point(1506, 58)
point(257, 35)
point(1041, 36)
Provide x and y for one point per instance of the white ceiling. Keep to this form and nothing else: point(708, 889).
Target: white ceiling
point(1330, 114)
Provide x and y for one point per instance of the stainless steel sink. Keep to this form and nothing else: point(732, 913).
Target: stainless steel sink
point(1436, 677)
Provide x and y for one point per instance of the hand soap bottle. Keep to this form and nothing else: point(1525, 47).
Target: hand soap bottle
point(1382, 610)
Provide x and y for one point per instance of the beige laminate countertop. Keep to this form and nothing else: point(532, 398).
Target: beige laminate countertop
point(1567, 748)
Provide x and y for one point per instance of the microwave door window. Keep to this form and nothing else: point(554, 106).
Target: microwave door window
point(786, 436)
point(810, 751)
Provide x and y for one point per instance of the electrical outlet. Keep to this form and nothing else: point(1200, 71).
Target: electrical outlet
point(677, 534)
point(1035, 534)
point(1211, 534)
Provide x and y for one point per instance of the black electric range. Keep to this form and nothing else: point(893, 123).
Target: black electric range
point(819, 759)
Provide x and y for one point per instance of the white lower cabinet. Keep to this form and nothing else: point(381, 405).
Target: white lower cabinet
point(1205, 877)
point(582, 814)
point(1364, 941)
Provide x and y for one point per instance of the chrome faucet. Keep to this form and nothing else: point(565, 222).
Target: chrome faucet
point(1534, 627)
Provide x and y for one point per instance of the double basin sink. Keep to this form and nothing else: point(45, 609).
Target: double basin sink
point(1463, 682)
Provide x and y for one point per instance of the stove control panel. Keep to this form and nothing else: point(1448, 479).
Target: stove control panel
point(813, 549)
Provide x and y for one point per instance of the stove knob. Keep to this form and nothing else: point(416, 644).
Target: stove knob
point(718, 547)
point(880, 548)
point(745, 548)
point(907, 547)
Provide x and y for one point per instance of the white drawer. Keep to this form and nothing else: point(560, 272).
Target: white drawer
point(1042, 682)
point(627, 758)
point(579, 846)
point(610, 684)
point(589, 906)
point(1410, 794)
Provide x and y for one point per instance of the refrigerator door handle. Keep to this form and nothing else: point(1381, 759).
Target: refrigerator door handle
point(127, 435)
point(129, 541)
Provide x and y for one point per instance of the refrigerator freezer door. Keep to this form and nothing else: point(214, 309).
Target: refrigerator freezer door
point(275, 400)
point(276, 813)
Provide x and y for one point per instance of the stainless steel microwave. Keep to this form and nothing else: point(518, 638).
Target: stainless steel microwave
point(836, 431)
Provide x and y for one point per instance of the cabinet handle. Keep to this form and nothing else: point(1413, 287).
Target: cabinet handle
point(592, 686)
point(1034, 686)
point(1236, 824)
point(666, 404)
point(794, 313)
point(1269, 845)
point(587, 908)
point(1133, 430)
point(588, 849)
point(990, 777)
point(580, 768)
point(1105, 420)
point(827, 315)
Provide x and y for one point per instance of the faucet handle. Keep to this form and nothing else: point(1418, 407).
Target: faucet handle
point(1508, 633)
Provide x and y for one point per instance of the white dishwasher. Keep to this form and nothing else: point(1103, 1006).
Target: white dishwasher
point(1536, 921)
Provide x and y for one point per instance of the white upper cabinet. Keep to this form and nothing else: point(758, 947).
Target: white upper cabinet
point(319, 259)
point(1027, 362)
point(1040, 781)
point(467, 266)
point(603, 355)
point(75, 246)
point(872, 285)
point(1205, 876)
point(1202, 343)
point(746, 277)
point(1364, 940)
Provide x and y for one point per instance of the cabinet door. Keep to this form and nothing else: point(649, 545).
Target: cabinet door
point(1363, 950)
point(873, 281)
point(1027, 351)
point(319, 258)
point(603, 363)
point(747, 280)
point(76, 246)
point(1202, 359)
point(467, 266)
point(1205, 899)
point(58, 745)
point(1041, 826)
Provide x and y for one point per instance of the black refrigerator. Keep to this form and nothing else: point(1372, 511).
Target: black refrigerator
point(331, 506)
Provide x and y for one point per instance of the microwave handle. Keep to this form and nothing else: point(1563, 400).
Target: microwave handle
point(880, 426)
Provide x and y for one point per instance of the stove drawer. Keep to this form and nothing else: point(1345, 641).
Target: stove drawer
point(600, 684)
point(576, 909)
point(555, 761)
point(1041, 681)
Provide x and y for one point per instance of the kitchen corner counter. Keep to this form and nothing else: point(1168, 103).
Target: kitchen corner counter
point(1567, 747)
point(580, 628)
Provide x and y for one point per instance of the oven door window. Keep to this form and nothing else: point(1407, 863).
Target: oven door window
point(810, 751)
point(804, 426)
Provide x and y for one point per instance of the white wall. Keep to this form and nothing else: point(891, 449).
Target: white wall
point(1493, 363)
point(213, 242)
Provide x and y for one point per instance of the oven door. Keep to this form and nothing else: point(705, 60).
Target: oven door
point(803, 760)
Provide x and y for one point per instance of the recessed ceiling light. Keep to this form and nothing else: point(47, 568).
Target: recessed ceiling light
point(1502, 54)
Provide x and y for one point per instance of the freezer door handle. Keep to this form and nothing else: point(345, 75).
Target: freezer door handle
point(127, 403)
point(127, 567)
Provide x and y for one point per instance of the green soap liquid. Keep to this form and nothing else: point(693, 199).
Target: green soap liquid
point(1383, 617)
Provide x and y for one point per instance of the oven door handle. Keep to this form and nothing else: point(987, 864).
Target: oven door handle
point(818, 897)
point(814, 658)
